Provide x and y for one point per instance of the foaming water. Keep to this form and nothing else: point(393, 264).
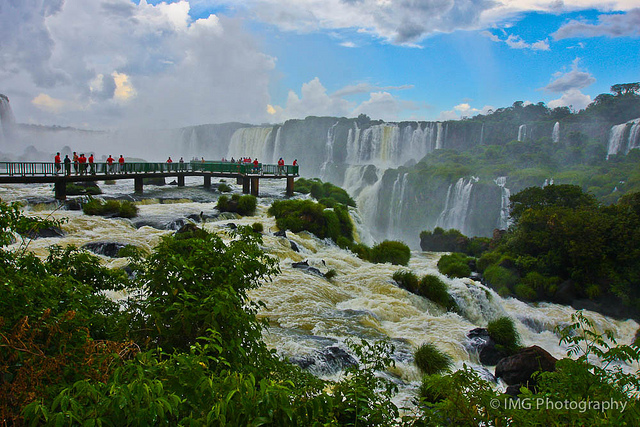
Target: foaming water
point(309, 316)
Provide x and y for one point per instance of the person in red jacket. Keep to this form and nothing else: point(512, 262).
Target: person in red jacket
point(255, 165)
point(58, 163)
point(121, 164)
point(92, 167)
point(280, 166)
point(110, 164)
point(83, 163)
point(295, 162)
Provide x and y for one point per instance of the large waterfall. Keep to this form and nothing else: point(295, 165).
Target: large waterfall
point(522, 132)
point(252, 142)
point(7, 120)
point(555, 134)
point(624, 137)
point(504, 221)
point(456, 207)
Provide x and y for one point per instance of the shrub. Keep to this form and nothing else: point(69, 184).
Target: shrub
point(430, 360)
point(116, 208)
point(223, 203)
point(431, 287)
point(257, 227)
point(247, 205)
point(362, 251)
point(454, 265)
point(406, 280)
point(500, 277)
point(397, 253)
point(525, 292)
point(299, 215)
point(504, 333)
point(330, 274)
point(224, 188)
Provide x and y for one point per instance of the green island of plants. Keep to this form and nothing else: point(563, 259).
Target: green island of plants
point(324, 192)
point(115, 208)
point(244, 205)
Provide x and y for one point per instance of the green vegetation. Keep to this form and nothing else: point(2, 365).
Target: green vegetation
point(184, 349)
point(452, 240)
point(257, 227)
point(82, 188)
point(224, 188)
point(406, 280)
point(562, 236)
point(430, 360)
point(454, 265)
point(326, 193)
point(244, 205)
point(505, 335)
point(430, 287)
point(116, 208)
point(463, 398)
point(397, 253)
point(316, 218)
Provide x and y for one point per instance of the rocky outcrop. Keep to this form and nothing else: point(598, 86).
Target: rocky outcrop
point(479, 341)
point(517, 370)
point(109, 249)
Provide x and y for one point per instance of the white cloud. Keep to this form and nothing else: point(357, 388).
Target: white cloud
point(574, 79)
point(616, 25)
point(112, 63)
point(463, 110)
point(516, 42)
point(383, 105)
point(572, 98)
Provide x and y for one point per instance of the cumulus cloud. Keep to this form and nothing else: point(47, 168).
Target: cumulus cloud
point(574, 79)
point(114, 63)
point(516, 42)
point(572, 98)
point(616, 25)
point(315, 101)
point(463, 110)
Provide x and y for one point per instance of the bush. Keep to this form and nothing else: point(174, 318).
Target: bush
point(82, 188)
point(244, 205)
point(257, 227)
point(299, 215)
point(397, 253)
point(224, 188)
point(330, 274)
point(361, 250)
point(504, 333)
point(454, 265)
point(434, 289)
point(116, 208)
point(406, 280)
point(430, 360)
point(500, 277)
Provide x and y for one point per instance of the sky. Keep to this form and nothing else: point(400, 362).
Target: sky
point(110, 64)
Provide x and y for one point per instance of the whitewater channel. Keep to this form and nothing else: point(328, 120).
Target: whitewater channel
point(310, 317)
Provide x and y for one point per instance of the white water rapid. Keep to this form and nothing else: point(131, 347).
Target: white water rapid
point(308, 315)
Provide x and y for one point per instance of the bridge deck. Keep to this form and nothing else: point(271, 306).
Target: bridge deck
point(46, 172)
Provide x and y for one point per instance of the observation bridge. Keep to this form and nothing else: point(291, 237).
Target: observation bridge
point(246, 174)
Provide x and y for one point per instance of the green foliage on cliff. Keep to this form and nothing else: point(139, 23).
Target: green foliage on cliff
point(454, 265)
point(563, 236)
point(505, 335)
point(325, 192)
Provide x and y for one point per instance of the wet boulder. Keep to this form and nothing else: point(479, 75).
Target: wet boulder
point(329, 360)
point(294, 247)
point(518, 368)
point(479, 341)
point(281, 233)
point(109, 249)
point(45, 232)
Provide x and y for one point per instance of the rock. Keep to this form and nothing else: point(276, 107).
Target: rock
point(294, 247)
point(281, 233)
point(518, 368)
point(176, 224)
point(46, 232)
point(302, 264)
point(73, 204)
point(109, 249)
point(232, 226)
point(329, 360)
point(188, 228)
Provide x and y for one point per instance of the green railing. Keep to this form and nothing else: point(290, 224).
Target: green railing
point(51, 169)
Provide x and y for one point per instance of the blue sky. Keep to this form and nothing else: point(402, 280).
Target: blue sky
point(120, 63)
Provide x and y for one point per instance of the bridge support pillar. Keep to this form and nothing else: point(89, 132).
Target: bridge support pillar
point(239, 180)
point(207, 182)
point(137, 185)
point(289, 186)
point(180, 180)
point(61, 189)
point(255, 182)
point(245, 185)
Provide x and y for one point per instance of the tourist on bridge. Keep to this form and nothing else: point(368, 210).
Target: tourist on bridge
point(92, 167)
point(256, 168)
point(181, 161)
point(76, 161)
point(83, 164)
point(58, 163)
point(295, 162)
point(110, 161)
point(169, 163)
point(67, 165)
point(280, 166)
point(121, 164)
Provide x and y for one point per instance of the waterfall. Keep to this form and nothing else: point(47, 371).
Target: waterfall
point(482, 134)
point(456, 206)
point(6, 117)
point(555, 135)
point(617, 143)
point(277, 147)
point(522, 132)
point(504, 221)
point(328, 158)
point(397, 206)
point(439, 136)
point(250, 142)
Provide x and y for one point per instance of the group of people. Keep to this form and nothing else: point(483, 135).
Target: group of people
point(83, 165)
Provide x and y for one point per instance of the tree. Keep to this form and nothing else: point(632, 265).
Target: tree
point(626, 88)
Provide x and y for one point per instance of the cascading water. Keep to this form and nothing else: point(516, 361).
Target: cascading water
point(397, 206)
point(555, 134)
point(456, 206)
point(7, 119)
point(522, 132)
point(504, 221)
point(617, 142)
point(331, 139)
point(251, 142)
point(309, 316)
